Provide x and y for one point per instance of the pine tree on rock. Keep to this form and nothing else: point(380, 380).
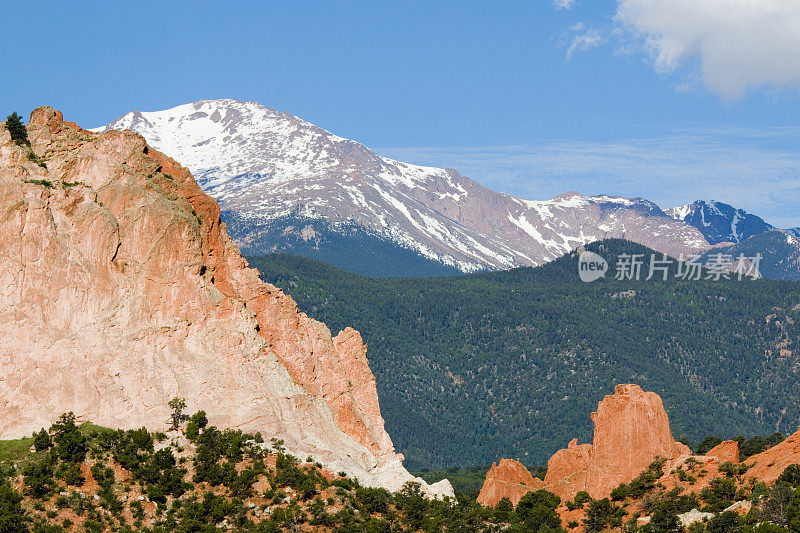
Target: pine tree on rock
point(18, 131)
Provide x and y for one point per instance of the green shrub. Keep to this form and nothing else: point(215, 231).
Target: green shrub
point(664, 519)
point(41, 441)
point(44, 183)
point(719, 494)
point(36, 159)
point(537, 510)
point(790, 476)
point(645, 482)
point(18, 131)
point(12, 517)
point(413, 503)
point(70, 442)
point(732, 469)
point(375, 500)
point(620, 493)
point(723, 523)
point(38, 477)
point(757, 444)
point(130, 448)
point(503, 511)
point(163, 477)
point(70, 473)
point(582, 497)
point(601, 514)
point(197, 422)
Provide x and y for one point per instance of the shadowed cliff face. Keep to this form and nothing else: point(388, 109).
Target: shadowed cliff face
point(121, 289)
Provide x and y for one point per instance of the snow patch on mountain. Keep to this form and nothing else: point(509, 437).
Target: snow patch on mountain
point(720, 222)
point(264, 165)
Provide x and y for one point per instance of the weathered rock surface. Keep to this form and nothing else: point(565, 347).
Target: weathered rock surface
point(694, 516)
point(631, 429)
point(725, 451)
point(120, 289)
point(568, 469)
point(769, 464)
point(507, 479)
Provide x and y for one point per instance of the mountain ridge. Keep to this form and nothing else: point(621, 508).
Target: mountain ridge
point(263, 164)
point(720, 222)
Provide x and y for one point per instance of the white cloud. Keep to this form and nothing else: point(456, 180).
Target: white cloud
point(733, 45)
point(563, 4)
point(585, 41)
point(741, 167)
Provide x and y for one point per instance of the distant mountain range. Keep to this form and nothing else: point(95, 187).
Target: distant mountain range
point(285, 185)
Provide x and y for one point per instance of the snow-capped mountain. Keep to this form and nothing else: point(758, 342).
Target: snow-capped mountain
point(719, 222)
point(278, 177)
point(736, 232)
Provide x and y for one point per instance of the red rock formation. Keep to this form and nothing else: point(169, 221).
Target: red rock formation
point(769, 464)
point(725, 451)
point(121, 289)
point(507, 479)
point(631, 430)
point(568, 469)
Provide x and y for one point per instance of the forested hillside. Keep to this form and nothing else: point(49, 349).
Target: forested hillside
point(472, 368)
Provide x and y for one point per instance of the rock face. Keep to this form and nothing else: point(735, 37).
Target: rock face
point(121, 289)
point(725, 451)
point(568, 469)
point(631, 429)
point(769, 464)
point(507, 479)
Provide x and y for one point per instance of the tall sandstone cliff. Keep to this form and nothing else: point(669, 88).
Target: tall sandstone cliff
point(630, 430)
point(120, 289)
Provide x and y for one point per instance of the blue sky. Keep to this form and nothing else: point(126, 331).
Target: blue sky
point(671, 100)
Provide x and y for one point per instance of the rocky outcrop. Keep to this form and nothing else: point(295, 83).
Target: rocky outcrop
point(507, 479)
point(121, 289)
point(568, 469)
point(726, 451)
point(769, 464)
point(694, 516)
point(631, 429)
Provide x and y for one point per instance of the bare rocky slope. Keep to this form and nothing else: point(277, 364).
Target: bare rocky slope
point(121, 289)
point(277, 176)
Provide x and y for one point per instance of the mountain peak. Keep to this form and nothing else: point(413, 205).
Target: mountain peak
point(720, 222)
point(276, 175)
